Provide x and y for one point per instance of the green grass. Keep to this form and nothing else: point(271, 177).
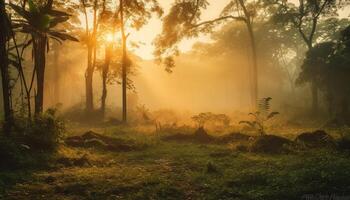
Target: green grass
point(170, 170)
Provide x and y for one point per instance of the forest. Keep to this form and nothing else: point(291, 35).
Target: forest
point(175, 99)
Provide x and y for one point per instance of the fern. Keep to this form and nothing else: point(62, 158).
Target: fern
point(261, 116)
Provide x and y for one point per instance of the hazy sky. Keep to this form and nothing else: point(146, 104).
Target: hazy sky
point(147, 34)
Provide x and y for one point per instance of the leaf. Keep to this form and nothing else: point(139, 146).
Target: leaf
point(63, 36)
point(57, 39)
point(45, 22)
point(57, 20)
point(57, 13)
point(33, 8)
point(27, 44)
point(272, 114)
point(14, 63)
point(251, 124)
point(23, 13)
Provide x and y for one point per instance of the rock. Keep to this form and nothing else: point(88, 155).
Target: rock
point(317, 138)
point(270, 144)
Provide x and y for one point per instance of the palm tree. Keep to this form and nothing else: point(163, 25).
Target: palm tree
point(39, 22)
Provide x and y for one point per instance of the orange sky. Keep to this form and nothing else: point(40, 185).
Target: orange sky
point(147, 34)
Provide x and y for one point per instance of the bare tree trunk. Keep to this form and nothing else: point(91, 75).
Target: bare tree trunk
point(88, 81)
point(124, 62)
point(57, 69)
point(314, 92)
point(255, 84)
point(104, 79)
point(255, 88)
point(39, 64)
point(4, 68)
point(89, 72)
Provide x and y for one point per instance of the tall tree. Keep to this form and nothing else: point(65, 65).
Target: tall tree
point(4, 33)
point(90, 42)
point(183, 21)
point(39, 22)
point(305, 18)
point(327, 65)
point(105, 71)
point(132, 14)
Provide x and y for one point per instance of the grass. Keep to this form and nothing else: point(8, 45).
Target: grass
point(170, 170)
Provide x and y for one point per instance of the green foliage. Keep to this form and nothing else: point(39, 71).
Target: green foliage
point(40, 20)
point(10, 153)
point(43, 133)
point(31, 141)
point(177, 25)
point(327, 65)
point(261, 116)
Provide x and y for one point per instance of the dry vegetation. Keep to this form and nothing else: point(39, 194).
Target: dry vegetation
point(182, 165)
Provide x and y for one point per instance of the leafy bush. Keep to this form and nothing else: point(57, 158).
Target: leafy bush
point(10, 154)
point(43, 133)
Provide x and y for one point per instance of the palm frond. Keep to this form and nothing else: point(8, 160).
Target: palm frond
point(63, 36)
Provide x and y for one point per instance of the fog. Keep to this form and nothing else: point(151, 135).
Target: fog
point(199, 82)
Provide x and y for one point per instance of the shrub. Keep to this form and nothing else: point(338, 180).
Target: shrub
point(43, 133)
point(10, 153)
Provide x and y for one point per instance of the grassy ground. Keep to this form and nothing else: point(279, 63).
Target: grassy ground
point(170, 170)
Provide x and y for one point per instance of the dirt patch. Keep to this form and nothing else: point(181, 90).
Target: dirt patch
point(71, 162)
point(91, 139)
point(233, 137)
point(343, 144)
point(270, 144)
point(317, 138)
point(199, 136)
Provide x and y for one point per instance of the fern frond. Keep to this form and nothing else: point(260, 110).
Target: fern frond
point(271, 115)
point(251, 124)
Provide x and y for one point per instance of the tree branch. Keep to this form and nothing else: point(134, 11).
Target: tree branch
point(219, 19)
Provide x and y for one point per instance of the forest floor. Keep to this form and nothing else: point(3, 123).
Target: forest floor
point(180, 170)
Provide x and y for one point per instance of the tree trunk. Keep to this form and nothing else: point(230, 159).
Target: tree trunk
point(104, 79)
point(124, 62)
point(4, 68)
point(57, 69)
point(88, 81)
point(249, 24)
point(345, 109)
point(39, 63)
point(255, 88)
point(314, 92)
